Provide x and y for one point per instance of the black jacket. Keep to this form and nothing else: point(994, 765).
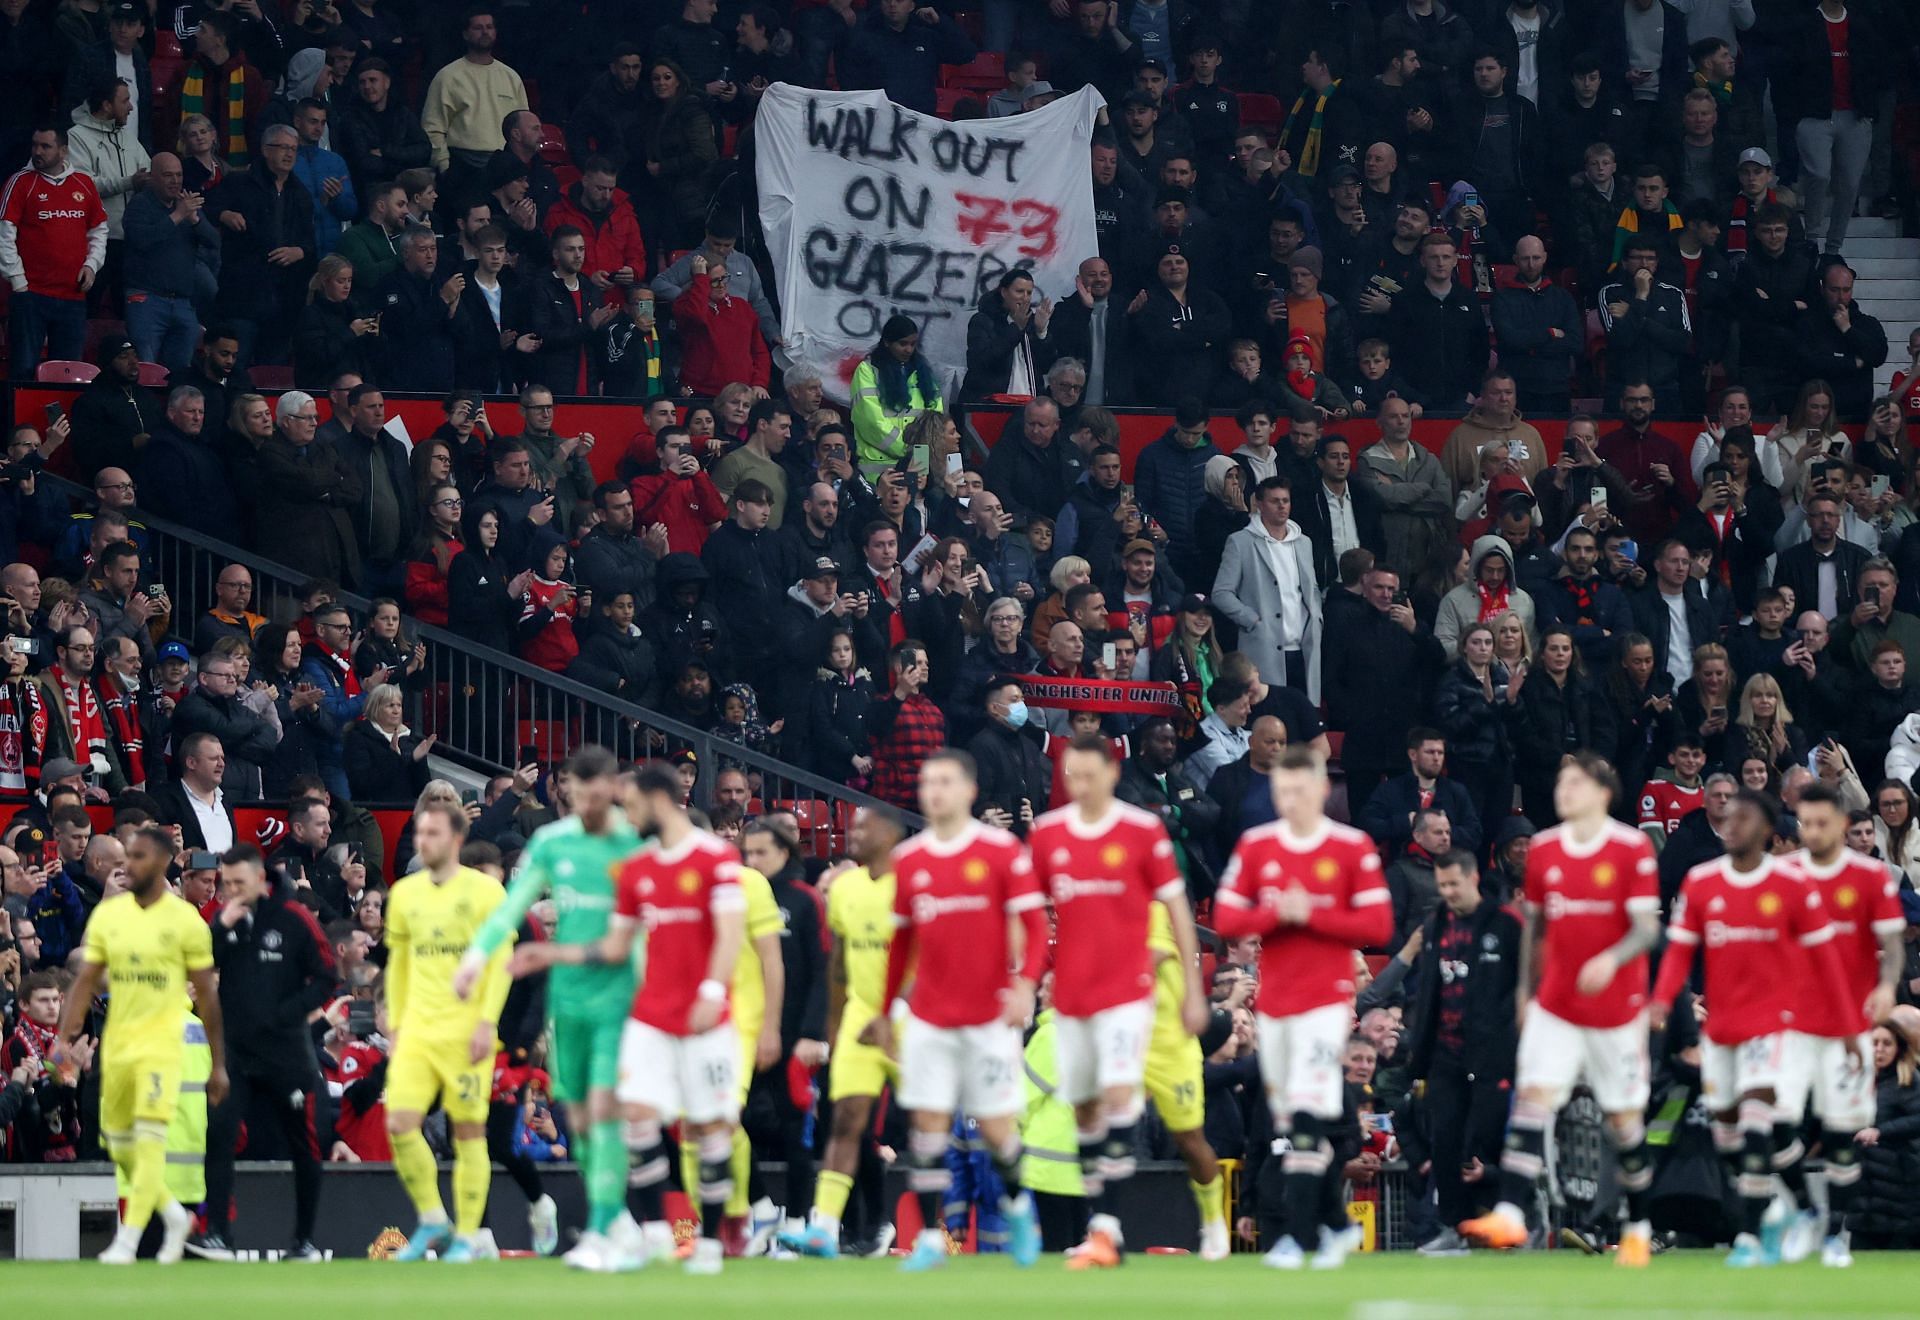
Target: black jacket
point(106, 417)
point(1376, 677)
point(564, 334)
point(1028, 479)
point(1650, 342)
point(1441, 343)
point(1523, 319)
point(1388, 815)
point(276, 966)
point(1176, 345)
point(1889, 1198)
point(478, 360)
point(836, 728)
point(324, 344)
point(1071, 335)
point(1191, 817)
point(740, 565)
point(184, 478)
point(246, 738)
point(1798, 566)
point(478, 606)
point(1765, 289)
point(359, 130)
point(1477, 729)
point(1805, 83)
point(1650, 618)
point(803, 1007)
point(177, 809)
point(1489, 1037)
point(1845, 361)
point(416, 332)
point(1311, 512)
point(377, 773)
point(251, 288)
point(1748, 543)
point(1552, 721)
point(992, 341)
point(1012, 768)
point(1527, 139)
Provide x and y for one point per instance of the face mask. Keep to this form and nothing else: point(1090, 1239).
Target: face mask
point(1017, 714)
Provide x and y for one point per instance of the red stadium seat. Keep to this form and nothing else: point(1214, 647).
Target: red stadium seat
point(566, 176)
point(59, 372)
point(553, 146)
point(272, 378)
point(1258, 110)
point(986, 72)
point(815, 816)
point(153, 376)
point(947, 99)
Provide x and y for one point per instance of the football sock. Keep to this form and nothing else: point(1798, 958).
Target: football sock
point(647, 1170)
point(740, 1163)
point(1211, 1197)
point(1305, 1167)
point(1006, 1166)
point(413, 1161)
point(1755, 1180)
point(1635, 1163)
point(147, 1174)
point(1843, 1176)
point(928, 1175)
point(716, 1180)
point(830, 1195)
point(472, 1175)
point(1525, 1154)
point(1092, 1142)
point(606, 1161)
point(1790, 1161)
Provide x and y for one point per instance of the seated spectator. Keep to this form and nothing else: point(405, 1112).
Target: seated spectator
point(334, 334)
point(216, 706)
point(1226, 731)
point(385, 761)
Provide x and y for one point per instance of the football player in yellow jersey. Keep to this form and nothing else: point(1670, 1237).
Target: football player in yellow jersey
point(1173, 1079)
point(443, 1045)
point(759, 989)
point(860, 915)
point(149, 945)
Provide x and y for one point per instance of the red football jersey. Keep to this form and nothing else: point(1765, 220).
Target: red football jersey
point(1589, 893)
point(1664, 803)
point(1750, 926)
point(1863, 902)
point(951, 902)
point(677, 892)
point(1103, 879)
point(1305, 967)
point(1906, 388)
point(55, 219)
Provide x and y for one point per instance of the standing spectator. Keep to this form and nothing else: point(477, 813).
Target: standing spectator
point(904, 728)
point(468, 99)
point(1441, 338)
point(1560, 712)
point(743, 563)
point(183, 475)
point(385, 760)
point(328, 665)
point(1415, 497)
point(384, 515)
point(695, 44)
point(1649, 332)
point(899, 49)
point(768, 428)
point(1494, 421)
point(564, 315)
point(103, 147)
point(215, 707)
point(373, 245)
point(1830, 90)
point(1671, 615)
point(1394, 805)
point(52, 247)
point(1170, 479)
point(1475, 705)
point(1886, 1213)
point(1841, 344)
point(1008, 351)
point(1654, 467)
point(483, 595)
point(682, 498)
point(1378, 669)
point(306, 496)
point(379, 135)
point(417, 308)
point(228, 616)
point(267, 251)
point(1177, 330)
point(222, 85)
point(1267, 586)
point(607, 111)
point(616, 257)
point(891, 387)
point(324, 174)
point(720, 336)
point(172, 264)
point(1644, 49)
point(1772, 285)
point(1538, 330)
point(720, 248)
point(1016, 779)
point(1504, 143)
point(1033, 471)
point(30, 61)
point(334, 336)
point(674, 143)
point(113, 418)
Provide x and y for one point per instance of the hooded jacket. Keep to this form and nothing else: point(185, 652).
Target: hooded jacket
point(1523, 321)
point(1460, 608)
point(1247, 591)
point(110, 155)
point(613, 235)
point(682, 632)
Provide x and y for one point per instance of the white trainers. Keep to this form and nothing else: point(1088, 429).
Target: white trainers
point(625, 1235)
point(593, 1253)
point(1214, 1242)
point(1336, 1247)
point(177, 1222)
point(706, 1257)
point(543, 1222)
point(1285, 1255)
point(1803, 1232)
point(657, 1242)
point(1447, 1242)
point(882, 1242)
point(120, 1251)
point(1837, 1252)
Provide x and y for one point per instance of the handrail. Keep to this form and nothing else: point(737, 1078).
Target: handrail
point(479, 700)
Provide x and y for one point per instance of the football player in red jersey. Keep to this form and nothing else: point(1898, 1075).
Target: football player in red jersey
point(1746, 912)
point(1312, 889)
point(1864, 902)
point(965, 901)
point(679, 1053)
point(1593, 913)
point(1104, 863)
point(1665, 802)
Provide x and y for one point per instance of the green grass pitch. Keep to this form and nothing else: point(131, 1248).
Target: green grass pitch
point(1679, 1286)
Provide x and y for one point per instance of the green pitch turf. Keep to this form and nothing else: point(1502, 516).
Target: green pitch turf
point(1683, 1286)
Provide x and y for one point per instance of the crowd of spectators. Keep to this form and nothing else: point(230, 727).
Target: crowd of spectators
point(1482, 215)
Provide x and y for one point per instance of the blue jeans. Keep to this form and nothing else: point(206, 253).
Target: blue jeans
point(34, 319)
point(163, 329)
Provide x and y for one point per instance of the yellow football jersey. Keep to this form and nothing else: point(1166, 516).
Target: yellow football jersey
point(429, 927)
point(1169, 980)
point(764, 918)
point(147, 952)
point(860, 912)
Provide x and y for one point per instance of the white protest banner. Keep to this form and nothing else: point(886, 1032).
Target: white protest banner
point(872, 210)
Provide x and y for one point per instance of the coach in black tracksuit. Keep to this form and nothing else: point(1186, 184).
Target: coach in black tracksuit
point(1464, 1038)
point(276, 967)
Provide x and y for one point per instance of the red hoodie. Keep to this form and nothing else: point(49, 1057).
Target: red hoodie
point(553, 647)
point(719, 345)
point(690, 507)
point(613, 240)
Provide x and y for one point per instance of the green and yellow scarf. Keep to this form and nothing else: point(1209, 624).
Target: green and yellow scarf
point(1629, 224)
point(193, 101)
point(1309, 163)
point(1722, 91)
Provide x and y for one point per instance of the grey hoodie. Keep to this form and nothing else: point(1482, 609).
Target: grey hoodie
point(110, 155)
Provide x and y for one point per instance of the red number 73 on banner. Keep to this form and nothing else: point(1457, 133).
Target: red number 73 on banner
point(984, 218)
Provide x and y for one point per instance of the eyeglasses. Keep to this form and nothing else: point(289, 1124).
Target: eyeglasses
point(218, 673)
point(115, 485)
point(88, 647)
point(537, 407)
point(303, 417)
point(447, 504)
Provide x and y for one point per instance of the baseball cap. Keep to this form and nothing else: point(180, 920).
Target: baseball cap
point(824, 567)
point(1039, 87)
point(1756, 156)
point(125, 12)
point(1156, 63)
point(60, 767)
point(1138, 543)
point(1342, 173)
point(1192, 603)
point(174, 651)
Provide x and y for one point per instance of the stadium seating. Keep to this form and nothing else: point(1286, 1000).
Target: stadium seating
point(56, 371)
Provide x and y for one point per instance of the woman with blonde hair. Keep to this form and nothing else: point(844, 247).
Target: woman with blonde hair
point(1704, 706)
point(1811, 431)
point(332, 335)
point(1512, 643)
point(1069, 573)
point(1771, 733)
point(1886, 1209)
point(198, 144)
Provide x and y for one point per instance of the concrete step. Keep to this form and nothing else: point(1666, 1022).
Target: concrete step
point(1881, 249)
point(1889, 288)
point(1868, 269)
point(1872, 227)
point(1897, 311)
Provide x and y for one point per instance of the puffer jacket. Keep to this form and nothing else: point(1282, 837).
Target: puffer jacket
point(1889, 1197)
point(1460, 607)
point(1479, 732)
point(1903, 752)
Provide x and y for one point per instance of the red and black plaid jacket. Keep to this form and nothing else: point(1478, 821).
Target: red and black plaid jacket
point(903, 734)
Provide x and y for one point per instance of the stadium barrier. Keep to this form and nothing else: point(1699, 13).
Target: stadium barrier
point(491, 711)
